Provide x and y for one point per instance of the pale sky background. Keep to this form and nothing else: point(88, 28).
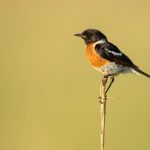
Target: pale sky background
point(49, 92)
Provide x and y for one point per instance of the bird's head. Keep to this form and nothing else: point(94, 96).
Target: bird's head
point(91, 36)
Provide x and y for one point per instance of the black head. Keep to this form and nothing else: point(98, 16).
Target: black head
point(91, 36)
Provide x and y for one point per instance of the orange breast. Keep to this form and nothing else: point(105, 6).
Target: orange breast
point(95, 58)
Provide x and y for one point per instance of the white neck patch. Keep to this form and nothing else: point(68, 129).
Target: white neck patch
point(110, 51)
point(102, 41)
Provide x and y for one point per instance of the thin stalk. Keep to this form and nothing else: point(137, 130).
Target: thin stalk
point(102, 111)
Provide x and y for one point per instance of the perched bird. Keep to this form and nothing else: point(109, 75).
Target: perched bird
point(106, 57)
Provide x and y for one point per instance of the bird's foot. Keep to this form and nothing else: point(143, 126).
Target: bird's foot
point(104, 80)
point(102, 100)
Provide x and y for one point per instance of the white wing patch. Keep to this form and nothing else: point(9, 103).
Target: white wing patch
point(102, 41)
point(114, 53)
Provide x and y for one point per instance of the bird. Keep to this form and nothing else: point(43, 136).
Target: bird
point(106, 57)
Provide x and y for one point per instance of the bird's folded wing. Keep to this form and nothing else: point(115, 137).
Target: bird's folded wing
point(113, 54)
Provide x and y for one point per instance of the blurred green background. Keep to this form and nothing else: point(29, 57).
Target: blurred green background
point(48, 91)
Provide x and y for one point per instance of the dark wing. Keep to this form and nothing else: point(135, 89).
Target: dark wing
point(112, 53)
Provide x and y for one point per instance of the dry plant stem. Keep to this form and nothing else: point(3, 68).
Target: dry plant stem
point(102, 111)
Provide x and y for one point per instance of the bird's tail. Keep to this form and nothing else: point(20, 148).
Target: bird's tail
point(140, 71)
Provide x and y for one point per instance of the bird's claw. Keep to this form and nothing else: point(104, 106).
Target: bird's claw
point(102, 100)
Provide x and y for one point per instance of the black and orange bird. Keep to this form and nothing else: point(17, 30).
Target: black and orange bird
point(106, 57)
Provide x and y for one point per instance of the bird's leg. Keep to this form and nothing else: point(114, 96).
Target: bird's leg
point(104, 82)
point(112, 80)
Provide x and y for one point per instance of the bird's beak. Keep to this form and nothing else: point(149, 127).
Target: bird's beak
point(79, 35)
